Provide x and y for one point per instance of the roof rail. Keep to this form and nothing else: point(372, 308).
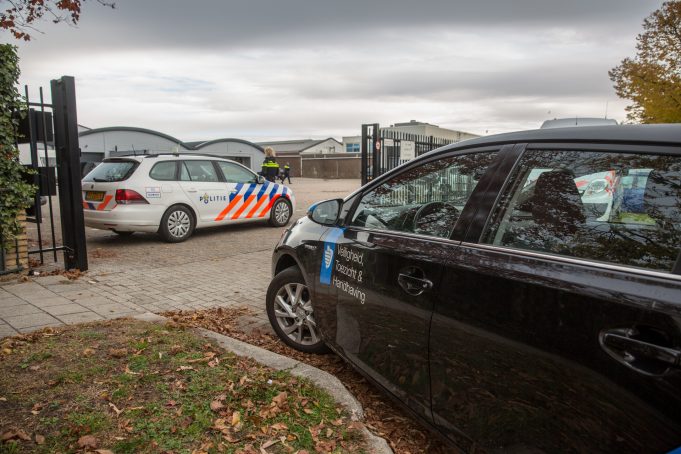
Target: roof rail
point(155, 155)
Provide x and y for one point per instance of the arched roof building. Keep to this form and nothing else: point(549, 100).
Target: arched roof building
point(97, 144)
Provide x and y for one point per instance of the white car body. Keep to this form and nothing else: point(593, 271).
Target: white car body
point(241, 196)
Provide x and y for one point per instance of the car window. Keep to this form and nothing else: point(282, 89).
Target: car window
point(619, 208)
point(110, 171)
point(234, 173)
point(164, 171)
point(426, 200)
point(198, 171)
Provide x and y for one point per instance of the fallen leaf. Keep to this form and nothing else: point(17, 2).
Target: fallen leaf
point(280, 399)
point(219, 424)
point(39, 439)
point(115, 409)
point(88, 352)
point(279, 426)
point(129, 372)
point(236, 418)
point(355, 425)
point(88, 442)
point(104, 451)
point(15, 434)
point(269, 443)
point(34, 368)
point(175, 349)
point(216, 405)
point(325, 446)
point(118, 352)
point(181, 368)
point(3, 399)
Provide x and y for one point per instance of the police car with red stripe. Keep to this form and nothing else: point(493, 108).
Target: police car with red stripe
point(173, 194)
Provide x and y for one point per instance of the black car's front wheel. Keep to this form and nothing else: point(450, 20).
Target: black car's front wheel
point(289, 309)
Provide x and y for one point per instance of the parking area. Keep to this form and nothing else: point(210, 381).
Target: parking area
point(223, 266)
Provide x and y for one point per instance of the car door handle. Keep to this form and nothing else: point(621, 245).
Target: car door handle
point(635, 348)
point(414, 285)
point(191, 190)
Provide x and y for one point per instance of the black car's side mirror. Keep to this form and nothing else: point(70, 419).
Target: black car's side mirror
point(325, 213)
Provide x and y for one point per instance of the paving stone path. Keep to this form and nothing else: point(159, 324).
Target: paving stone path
point(223, 266)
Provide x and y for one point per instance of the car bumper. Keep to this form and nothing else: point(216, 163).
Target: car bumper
point(126, 218)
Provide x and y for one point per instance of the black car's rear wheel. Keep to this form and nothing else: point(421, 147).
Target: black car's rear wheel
point(289, 309)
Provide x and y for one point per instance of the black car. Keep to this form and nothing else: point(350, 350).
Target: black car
point(516, 292)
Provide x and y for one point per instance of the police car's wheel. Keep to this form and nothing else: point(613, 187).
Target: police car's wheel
point(290, 312)
point(280, 213)
point(177, 224)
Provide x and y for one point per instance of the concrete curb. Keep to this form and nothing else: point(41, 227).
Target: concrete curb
point(324, 380)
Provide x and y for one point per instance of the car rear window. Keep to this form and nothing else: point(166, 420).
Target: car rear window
point(111, 171)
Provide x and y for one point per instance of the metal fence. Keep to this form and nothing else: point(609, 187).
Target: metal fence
point(50, 130)
point(382, 149)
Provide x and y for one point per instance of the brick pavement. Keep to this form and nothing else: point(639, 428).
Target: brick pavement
point(223, 266)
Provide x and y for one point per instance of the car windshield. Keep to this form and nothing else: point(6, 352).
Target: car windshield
point(111, 171)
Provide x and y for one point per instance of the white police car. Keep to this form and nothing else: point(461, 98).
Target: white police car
point(172, 194)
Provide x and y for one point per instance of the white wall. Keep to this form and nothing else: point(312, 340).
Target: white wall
point(235, 150)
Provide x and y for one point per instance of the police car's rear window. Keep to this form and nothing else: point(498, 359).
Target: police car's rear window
point(111, 171)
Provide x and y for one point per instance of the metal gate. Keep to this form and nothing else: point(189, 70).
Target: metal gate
point(383, 150)
point(49, 134)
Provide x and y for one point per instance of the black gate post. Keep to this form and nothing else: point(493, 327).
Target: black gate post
point(365, 155)
point(375, 150)
point(68, 168)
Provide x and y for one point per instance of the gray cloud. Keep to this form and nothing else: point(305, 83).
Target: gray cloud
point(290, 68)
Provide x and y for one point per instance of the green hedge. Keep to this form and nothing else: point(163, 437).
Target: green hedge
point(15, 194)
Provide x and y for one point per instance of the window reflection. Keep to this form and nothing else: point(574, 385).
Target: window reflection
point(427, 199)
point(613, 207)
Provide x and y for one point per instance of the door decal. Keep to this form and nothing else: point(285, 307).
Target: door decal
point(234, 198)
point(328, 255)
point(242, 198)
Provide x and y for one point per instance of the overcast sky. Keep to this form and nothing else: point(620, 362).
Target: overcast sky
point(284, 69)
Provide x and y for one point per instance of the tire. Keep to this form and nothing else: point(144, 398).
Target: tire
point(119, 233)
point(177, 224)
point(292, 320)
point(280, 214)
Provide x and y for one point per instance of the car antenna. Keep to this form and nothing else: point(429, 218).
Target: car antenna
point(133, 150)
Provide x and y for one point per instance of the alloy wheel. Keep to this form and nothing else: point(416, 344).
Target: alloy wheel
point(178, 223)
point(293, 311)
point(282, 213)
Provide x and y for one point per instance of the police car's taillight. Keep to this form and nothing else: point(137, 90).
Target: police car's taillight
point(127, 196)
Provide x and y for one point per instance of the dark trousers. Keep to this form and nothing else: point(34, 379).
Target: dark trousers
point(284, 176)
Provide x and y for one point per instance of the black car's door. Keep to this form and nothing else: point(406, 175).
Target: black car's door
point(384, 265)
point(558, 323)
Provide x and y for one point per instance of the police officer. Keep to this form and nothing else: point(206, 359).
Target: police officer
point(287, 173)
point(270, 167)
